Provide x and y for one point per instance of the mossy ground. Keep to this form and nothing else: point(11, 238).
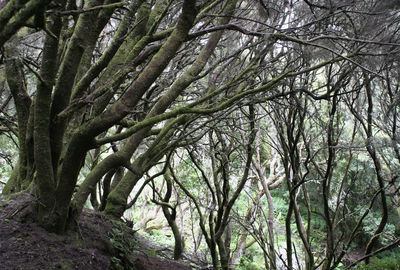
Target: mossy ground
point(96, 243)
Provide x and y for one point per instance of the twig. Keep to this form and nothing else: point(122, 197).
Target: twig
point(16, 211)
point(27, 64)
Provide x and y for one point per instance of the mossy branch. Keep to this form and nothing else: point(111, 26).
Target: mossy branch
point(15, 19)
point(92, 9)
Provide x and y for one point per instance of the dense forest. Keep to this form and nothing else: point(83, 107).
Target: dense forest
point(252, 134)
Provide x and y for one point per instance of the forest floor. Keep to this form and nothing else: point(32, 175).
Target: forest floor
point(97, 243)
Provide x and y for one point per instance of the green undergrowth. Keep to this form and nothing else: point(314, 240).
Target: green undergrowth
point(123, 243)
point(389, 260)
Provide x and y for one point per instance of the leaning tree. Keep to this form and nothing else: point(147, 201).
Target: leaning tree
point(116, 87)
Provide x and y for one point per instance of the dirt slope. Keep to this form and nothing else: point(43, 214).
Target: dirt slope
point(97, 243)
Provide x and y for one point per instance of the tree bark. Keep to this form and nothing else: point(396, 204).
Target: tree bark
point(16, 82)
point(45, 178)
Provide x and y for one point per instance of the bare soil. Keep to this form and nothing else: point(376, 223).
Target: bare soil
point(97, 243)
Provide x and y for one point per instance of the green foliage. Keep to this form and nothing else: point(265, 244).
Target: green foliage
point(8, 154)
point(247, 263)
point(340, 266)
point(161, 237)
point(252, 259)
point(151, 252)
point(280, 204)
point(386, 261)
point(122, 245)
point(67, 264)
point(116, 264)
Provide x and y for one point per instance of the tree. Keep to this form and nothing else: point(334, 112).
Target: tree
point(107, 91)
point(223, 184)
